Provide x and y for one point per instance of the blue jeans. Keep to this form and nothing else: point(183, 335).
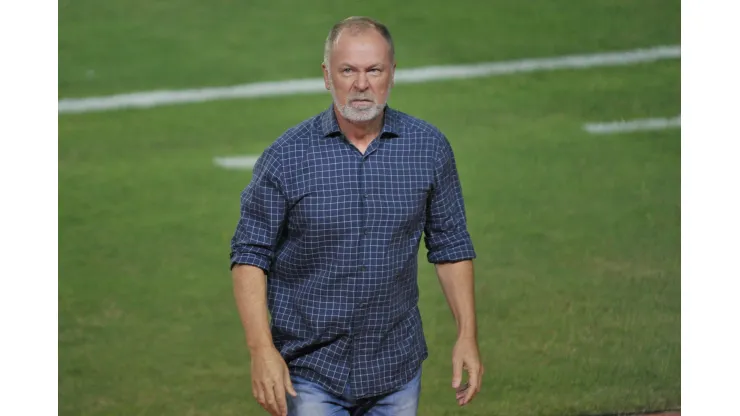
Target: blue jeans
point(313, 400)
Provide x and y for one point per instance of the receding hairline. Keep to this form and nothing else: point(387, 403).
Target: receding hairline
point(356, 25)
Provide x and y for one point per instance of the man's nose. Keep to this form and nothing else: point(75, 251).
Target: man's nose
point(361, 83)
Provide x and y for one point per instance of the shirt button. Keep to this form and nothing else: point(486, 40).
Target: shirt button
point(363, 268)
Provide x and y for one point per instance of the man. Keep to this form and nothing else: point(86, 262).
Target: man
point(328, 239)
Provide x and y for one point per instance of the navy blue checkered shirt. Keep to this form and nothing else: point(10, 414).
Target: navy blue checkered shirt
point(338, 233)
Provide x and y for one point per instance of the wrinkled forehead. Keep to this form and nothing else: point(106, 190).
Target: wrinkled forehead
point(361, 47)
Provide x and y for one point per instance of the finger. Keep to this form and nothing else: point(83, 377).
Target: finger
point(289, 384)
point(270, 404)
point(460, 393)
point(461, 390)
point(460, 396)
point(281, 405)
point(457, 367)
point(474, 383)
point(259, 395)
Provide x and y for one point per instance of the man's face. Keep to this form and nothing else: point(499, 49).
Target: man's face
point(360, 74)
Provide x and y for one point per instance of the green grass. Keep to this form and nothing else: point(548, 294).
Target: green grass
point(578, 236)
point(116, 46)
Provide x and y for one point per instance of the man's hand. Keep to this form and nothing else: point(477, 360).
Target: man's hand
point(270, 377)
point(270, 380)
point(465, 356)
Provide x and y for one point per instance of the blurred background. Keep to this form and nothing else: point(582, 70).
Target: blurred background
point(577, 234)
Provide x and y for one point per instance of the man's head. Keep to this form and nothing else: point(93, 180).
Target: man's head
point(359, 65)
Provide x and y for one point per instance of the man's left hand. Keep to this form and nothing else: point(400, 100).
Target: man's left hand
point(465, 356)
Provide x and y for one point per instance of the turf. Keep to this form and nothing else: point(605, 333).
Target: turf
point(122, 46)
point(578, 236)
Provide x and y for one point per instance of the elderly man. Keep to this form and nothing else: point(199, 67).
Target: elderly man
point(327, 245)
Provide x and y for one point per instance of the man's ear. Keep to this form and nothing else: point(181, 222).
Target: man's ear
point(393, 75)
point(325, 69)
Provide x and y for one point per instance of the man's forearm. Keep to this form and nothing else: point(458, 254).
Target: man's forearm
point(458, 286)
point(250, 293)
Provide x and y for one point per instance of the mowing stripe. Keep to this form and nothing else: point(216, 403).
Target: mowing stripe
point(403, 76)
point(236, 162)
point(633, 125)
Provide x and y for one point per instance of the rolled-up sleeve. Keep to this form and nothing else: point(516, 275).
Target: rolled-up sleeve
point(263, 209)
point(445, 233)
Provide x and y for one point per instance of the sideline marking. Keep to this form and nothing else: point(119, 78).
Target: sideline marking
point(633, 125)
point(236, 162)
point(150, 99)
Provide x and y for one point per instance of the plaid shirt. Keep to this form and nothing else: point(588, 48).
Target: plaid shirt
point(337, 232)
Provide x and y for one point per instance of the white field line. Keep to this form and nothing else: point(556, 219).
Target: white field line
point(236, 162)
point(625, 126)
point(247, 162)
point(403, 76)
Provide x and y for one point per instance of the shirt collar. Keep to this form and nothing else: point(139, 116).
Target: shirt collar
point(391, 123)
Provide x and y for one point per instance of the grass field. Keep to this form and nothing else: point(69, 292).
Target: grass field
point(578, 236)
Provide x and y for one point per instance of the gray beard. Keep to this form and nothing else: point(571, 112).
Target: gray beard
point(357, 114)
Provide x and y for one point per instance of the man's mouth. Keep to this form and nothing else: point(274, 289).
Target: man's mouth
point(361, 102)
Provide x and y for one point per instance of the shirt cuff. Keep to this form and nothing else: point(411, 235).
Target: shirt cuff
point(458, 249)
point(250, 259)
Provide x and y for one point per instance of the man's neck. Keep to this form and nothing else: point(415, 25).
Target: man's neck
point(360, 132)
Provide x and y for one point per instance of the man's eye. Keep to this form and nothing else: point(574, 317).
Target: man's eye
point(346, 71)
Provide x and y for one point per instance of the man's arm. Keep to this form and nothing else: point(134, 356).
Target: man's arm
point(458, 287)
point(457, 283)
point(263, 212)
point(250, 293)
point(451, 250)
point(270, 376)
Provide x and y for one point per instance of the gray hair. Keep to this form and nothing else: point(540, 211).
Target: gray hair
point(356, 24)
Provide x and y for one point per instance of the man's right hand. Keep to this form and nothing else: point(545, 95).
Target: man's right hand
point(271, 380)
